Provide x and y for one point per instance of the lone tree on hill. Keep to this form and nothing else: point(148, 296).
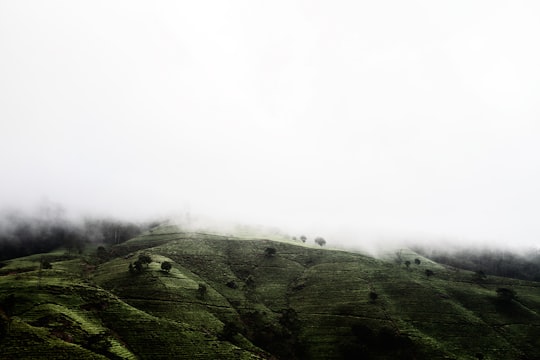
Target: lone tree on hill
point(269, 252)
point(320, 241)
point(201, 291)
point(303, 238)
point(417, 261)
point(166, 266)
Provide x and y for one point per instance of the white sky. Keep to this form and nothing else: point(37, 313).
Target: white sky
point(390, 117)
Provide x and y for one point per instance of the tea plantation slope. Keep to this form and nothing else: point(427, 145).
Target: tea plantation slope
point(308, 302)
point(231, 298)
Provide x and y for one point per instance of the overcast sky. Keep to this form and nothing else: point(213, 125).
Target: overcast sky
point(392, 117)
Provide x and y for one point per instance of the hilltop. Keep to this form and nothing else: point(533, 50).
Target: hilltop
point(231, 297)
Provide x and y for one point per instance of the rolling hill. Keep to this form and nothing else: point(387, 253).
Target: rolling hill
point(247, 298)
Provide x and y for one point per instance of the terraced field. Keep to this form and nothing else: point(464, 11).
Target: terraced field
point(230, 298)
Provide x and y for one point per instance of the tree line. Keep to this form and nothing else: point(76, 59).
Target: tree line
point(22, 235)
point(489, 262)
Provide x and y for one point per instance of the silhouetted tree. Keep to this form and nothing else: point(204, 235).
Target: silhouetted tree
point(201, 291)
point(270, 252)
point(303, 238)
point(145, 259)
point(320, 241)
point(166, 266)
point(417, 261)
point(506, 294)
point(479, 275)
point(232, 284)
point(45, 264)
point(407, 263)
point(101, 253)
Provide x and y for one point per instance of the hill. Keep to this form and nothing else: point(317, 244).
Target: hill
point(242, 298)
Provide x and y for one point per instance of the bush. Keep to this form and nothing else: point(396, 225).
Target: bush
point(166, 266)
point(429, 273)
point(373, 296)
point(270, 252)
point(201, 291)
point(506, 294)
point(320, 241)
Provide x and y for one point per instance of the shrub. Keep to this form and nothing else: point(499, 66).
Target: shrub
point(506, 294)
point(166, 266)
point(201, 291)
point(303, 238)
point(373, 296)
point(270, 252)
point(407, 263)
point(232, 284)
point(417, 261)
point(145, 259)
point(429, 273)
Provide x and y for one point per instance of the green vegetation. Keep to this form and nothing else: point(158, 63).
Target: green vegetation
point(208, 296)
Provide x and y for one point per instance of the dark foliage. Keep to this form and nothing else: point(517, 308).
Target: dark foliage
point(417, 261)
point(202, 291)
point(145, 259)
point(166, 266)
point(320, 241)
point(22, 235)
point(281, 340)
point(492, 262)
point(365, 343)
point(270, 252)
point(373, 296)
point(429, 273)
point(506, 294)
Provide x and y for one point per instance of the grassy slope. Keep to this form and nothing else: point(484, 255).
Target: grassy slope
point(303, 302)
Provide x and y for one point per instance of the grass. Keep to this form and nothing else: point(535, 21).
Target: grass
point(303, 302)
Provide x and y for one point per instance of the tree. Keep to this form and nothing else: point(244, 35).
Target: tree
point(270, 252)
point(429, 273)
point(303, 238)
point(145, 259)
point(101, 253)
point(373, 296)
point(45, 264)
point(166, 266)
point(201, 291)
point(417, 261)
point(506, 294)
point(407, 263)
point(479, 275)
point(320, 241)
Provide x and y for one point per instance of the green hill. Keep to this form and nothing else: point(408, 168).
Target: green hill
point(232, 298)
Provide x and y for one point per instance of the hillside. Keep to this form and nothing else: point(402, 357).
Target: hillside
point(231, 298)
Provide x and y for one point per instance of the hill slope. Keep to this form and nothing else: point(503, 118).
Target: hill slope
point(231, 298)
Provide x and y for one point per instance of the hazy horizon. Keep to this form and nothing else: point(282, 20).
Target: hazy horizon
point(377, 121)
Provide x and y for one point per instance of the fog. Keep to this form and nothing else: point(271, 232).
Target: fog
point(365, 122)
